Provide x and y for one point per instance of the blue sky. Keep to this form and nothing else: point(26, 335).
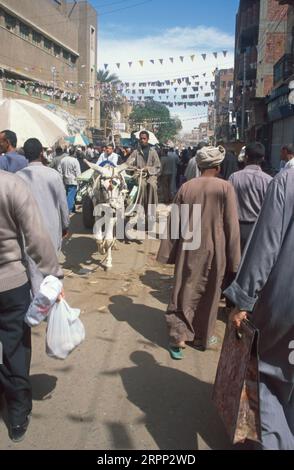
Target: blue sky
point(160, 29)
point(157, 14)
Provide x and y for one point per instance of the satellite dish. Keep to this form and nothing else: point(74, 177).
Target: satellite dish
point(291, 97)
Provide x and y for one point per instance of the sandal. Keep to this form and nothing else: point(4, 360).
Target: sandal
point(176, 353)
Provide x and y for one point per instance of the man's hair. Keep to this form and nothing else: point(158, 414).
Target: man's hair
point(255, 152)
point(145, 133)
point(32, 149)
point(11, 137)
point(110, 145)
point(289, 149)
point(59, 151)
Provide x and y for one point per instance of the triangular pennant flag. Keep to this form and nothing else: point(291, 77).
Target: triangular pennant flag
point(118, 66)
point(192, 57)
point(161, 61)
point(215, 54)
point(130, 64)
point(152, 61)
point(204, 56)
point(141, 62)
point(225, 53)
point(171, 59)
point(182, 58)
point(175, 89)
point(204, 75)
point(105, 66)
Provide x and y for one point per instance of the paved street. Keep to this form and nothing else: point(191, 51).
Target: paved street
point(120, 389)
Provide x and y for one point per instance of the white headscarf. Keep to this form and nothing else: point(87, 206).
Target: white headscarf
point(210, 157)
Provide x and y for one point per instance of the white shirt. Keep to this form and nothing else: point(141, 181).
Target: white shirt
point(289, 164)
point(113, 158)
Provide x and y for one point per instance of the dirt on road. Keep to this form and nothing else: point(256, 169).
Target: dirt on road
point(120, 389)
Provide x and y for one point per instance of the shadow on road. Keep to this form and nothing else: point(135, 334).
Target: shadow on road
point(79, 252)
point(160, 285)
point(43, 385)
point(147, 321)
point(177, 407)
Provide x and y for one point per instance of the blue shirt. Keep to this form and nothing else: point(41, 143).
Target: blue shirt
point(12, 162)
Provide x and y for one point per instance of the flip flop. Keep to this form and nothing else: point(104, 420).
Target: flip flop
point(176, 353)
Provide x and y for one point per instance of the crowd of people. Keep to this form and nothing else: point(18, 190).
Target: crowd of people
point(243, 211)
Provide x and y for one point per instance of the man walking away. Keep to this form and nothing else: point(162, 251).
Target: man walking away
point(11, 160)
point(199, 271)
point(70, 169)
point(48, 190)
point(20, 218)
point(56, 162)
point(263, 292)
point(250, 187)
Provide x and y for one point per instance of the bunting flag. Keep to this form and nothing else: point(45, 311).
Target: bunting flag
point(192, 57)
point(161, 61)
point(152, 61)
point(171, 59)
point(182, 58)
point(215, 54)
point(118, 66)
point(130, 64)
point(105, 66)
point(204, 75)
point(204, 56)
point(141, 62)
point(225, 53)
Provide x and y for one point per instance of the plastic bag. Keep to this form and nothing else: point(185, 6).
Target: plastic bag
point(40, 307)
point(65, 331)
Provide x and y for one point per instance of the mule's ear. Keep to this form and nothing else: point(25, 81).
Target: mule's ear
point(94, 167)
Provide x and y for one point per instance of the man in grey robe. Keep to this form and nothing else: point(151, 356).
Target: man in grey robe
point(146, 158)
point(48, 190)
point(200, 270)
point(263, 291)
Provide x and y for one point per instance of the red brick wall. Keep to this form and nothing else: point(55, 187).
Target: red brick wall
point(268, 84)
point(275, 47)
point(276, 11)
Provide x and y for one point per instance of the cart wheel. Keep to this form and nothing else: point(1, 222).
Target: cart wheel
point(88, 209)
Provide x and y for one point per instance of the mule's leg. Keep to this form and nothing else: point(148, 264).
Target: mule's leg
point(108, 263)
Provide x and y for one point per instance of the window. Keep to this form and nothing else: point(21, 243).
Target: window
point(37, 38)
point(24, 31)
point(48, 44)
point(10, 22)
point(66, 54)
point(73, 59)
point(57, 50)
point(92, 38)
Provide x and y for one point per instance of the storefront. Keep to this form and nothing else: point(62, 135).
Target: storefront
point(281, 116)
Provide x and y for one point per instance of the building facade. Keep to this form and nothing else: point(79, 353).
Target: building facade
point(223, 105)
point(261, 39)
point(48, 55)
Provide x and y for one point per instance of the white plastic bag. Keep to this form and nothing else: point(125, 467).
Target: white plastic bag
point(39, 309)
point(65, 330)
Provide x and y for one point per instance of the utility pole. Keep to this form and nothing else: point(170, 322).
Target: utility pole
point(243, 99)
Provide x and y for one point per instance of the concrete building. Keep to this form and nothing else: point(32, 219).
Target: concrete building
point(48, 54)
point(223, 105)
point(280, 103)
point(261, 31)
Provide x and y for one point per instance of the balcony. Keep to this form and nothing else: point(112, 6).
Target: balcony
point(283, 69)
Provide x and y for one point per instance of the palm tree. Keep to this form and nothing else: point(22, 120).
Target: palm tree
point(104, 76)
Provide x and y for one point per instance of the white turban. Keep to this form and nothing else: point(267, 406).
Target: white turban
point(210, 157)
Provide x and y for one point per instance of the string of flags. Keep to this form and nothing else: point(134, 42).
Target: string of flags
point(169, 60)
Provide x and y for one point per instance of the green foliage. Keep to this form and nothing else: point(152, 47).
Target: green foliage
point(156, 117)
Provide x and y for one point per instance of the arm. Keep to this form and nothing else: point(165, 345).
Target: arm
point(64, 212)
point(37, 240)
point(262, 252)
point(232, 231)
